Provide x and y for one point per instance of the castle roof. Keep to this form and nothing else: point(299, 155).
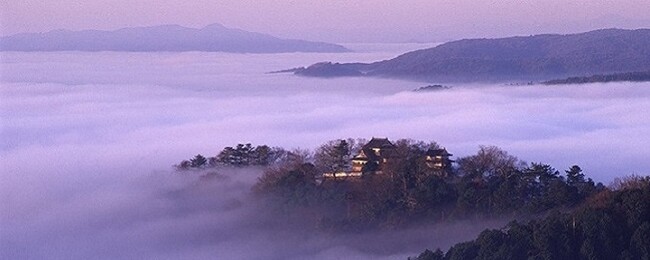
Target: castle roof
point(366, 154)
point(378, 143)
point(438, 152)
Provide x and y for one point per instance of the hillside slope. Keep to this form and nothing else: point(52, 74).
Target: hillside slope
point(539, 57)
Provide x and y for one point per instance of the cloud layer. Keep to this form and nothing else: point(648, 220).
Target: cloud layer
point(88, 140)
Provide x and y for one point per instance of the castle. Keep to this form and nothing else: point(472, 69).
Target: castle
point(374, 156)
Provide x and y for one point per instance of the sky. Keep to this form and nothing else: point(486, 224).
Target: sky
point(334, 20)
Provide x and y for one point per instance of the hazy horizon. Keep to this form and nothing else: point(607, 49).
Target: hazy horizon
point(334, 21)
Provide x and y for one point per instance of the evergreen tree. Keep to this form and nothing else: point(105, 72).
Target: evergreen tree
point(574, 175)
point(198, 161)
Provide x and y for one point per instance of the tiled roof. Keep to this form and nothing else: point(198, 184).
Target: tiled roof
point(438, 152)
point(379, 143)
point(366, 154)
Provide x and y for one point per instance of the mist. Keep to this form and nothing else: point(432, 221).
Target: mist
point(88, 141)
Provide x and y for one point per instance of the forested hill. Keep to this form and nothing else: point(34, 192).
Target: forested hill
point(612, 224)
point(539, 57)
point(565, 215)
point(170, 38)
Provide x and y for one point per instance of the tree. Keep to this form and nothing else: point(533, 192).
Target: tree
point(198, 161)
point(184, 165)
point(227, 156)
point(431, 255)
point(334, 156)
point(547, 187)
point(520, 241)
point(552, 238)
point(602, 233)
point(262, 155)
point(489, 161)
point(574, 175)
point(239, 156)
point(631, 182)
point(579, 186)
point(433, 194)
point(640, 242)
point(242, 155)
point(462, 251)
point(492, 245)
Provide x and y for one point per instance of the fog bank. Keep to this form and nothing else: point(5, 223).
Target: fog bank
point(88, 140)
point(167, 215)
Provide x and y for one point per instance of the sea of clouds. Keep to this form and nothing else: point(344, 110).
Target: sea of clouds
point(88, 140)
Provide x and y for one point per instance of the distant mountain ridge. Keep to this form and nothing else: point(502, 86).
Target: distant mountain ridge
point(171, 38)
point(539, 57)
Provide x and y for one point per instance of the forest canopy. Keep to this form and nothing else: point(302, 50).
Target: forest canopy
point(406, 190)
